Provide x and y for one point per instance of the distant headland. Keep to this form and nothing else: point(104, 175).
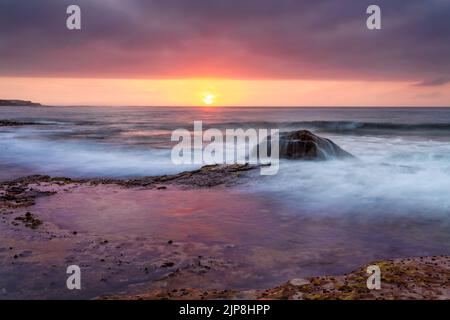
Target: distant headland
point(18, 103)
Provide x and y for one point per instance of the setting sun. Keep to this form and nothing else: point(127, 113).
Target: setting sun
point(208, 98)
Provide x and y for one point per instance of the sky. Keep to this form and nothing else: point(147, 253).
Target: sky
point(230, 52)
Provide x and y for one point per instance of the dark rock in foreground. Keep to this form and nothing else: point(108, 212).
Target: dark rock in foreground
point(305, 145)
point(207, 176)
point(18, 103)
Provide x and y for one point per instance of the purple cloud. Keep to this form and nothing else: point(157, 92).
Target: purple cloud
point(322, 39)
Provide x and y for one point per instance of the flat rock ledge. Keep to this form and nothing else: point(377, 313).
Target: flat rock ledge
point(22, 192)
point(401, 279)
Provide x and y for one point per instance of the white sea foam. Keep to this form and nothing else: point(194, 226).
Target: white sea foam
point(399, 169)
point(84, 159)
point(391, 176)
point(37, 149)
point(396, 174)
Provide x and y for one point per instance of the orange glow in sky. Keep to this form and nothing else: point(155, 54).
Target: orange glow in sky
point(222, 92)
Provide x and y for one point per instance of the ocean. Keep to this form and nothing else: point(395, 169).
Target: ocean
point(403, 153)
point(312, 218)
point(133, 141)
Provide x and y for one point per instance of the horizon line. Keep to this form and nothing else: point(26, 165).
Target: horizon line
point(234, 106)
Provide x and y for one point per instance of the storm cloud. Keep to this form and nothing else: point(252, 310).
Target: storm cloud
point(245, 39)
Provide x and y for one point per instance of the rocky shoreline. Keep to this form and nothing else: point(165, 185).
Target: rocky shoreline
point(207, 176)
point(27, 237)
point(407, 278)
point(164, 269)
point(401, 279)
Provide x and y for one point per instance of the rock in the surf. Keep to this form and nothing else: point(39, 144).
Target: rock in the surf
point(305, 145)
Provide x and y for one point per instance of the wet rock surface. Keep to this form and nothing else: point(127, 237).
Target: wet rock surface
point(305, 145)
point(29, 220)
point(402, 279)
point(35, 251)
point(207, 176)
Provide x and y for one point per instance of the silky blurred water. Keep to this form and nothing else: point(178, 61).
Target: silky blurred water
point(135, 141)
point(313, 217)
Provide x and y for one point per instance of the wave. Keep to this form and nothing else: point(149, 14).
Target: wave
point(352, 125)
point(86, 159)
point(338, 125)
point(324, 125)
